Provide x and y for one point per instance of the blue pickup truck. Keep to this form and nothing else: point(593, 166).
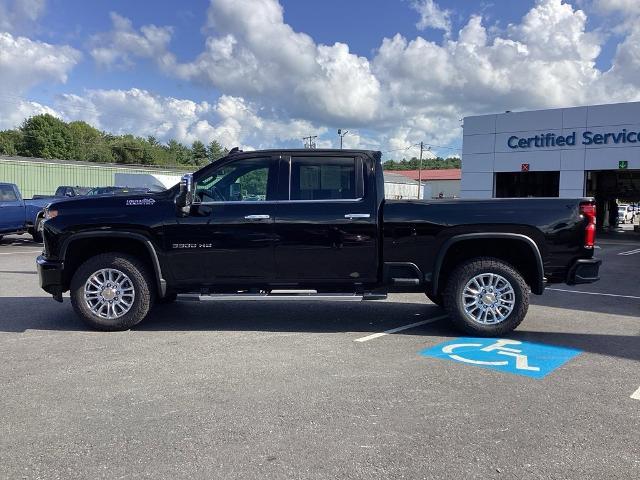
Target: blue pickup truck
point(18, 215)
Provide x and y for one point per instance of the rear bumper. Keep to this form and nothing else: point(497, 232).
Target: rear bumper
point(50, 274)
point(585, 270)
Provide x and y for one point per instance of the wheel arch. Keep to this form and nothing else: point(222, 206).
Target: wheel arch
point(490, 244)
point(102, 242)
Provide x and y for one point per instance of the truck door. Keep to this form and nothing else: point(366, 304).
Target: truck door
point(326, 222)
point(228, 237)
point(12, 214)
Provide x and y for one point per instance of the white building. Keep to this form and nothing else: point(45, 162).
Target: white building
point(436, 184)
point(568, 152)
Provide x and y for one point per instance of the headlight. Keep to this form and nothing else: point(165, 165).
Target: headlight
point(48, 214)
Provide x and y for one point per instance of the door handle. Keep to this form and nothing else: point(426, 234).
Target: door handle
point(351, 216)
point(257, 217)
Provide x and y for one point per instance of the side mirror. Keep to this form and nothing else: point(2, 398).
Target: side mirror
point(184, 200)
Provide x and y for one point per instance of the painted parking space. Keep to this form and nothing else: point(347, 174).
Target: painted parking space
point(529, 359)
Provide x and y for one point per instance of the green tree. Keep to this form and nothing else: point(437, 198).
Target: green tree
point(130, 150)
point(46, 136)
point(88, 143)
point(216, 151)
point(9, 142)
point(413, 163)
point(199, 152)
point(178, 153)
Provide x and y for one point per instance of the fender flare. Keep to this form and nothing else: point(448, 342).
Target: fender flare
point(155, 262)
point(538, 288)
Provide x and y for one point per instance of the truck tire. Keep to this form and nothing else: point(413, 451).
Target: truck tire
point(112, 291)
point(36, 232)
point(486, 297)
point(437, 299)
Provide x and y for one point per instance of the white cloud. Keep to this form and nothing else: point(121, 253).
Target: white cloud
point(432, 16)
point(546, 60)
point(410, 90)
point(14, 111)
point(627, 7)
point(120, 46)
point(231, 120)
point(25, 63)
point(255, 54)
point(16, 15)
point(278, 85)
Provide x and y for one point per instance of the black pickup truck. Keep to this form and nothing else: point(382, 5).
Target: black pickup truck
point(269, 223)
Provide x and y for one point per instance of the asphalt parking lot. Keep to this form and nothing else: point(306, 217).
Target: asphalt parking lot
point(317, 390)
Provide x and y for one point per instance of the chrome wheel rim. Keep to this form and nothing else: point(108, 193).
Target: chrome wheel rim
point(109, 293)
point(488, 299)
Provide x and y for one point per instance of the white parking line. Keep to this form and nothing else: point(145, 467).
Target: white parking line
point(636, 395)
point(617, 243)
point(630, 252)
point(21, 252)
point(399, 329)
point(593, 293)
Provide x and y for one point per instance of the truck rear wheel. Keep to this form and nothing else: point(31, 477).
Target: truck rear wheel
point(112, 291)
point(486, 297)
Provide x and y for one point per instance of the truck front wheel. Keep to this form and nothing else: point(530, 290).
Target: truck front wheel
point(36, 232)
point(486, 297)
point(437, 299)
point(112, 291)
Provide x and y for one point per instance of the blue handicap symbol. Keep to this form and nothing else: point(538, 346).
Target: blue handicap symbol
point(505, 355)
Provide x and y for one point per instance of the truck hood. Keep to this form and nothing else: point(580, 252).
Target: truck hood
point(117, 203)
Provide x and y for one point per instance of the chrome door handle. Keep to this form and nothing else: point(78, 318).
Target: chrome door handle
point(257, 217)
point(351, 216)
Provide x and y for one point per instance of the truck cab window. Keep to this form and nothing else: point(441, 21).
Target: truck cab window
point(241, 181)
point(7, 194)
point(325, 179)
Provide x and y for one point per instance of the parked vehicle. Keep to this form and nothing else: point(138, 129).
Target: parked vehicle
point(625, 213)
point(66, 191)
point(116, 191)
point(257, 224)
point(18, 215)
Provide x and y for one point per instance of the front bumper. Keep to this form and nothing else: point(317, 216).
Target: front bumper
point(584, 270)
point(50, 273)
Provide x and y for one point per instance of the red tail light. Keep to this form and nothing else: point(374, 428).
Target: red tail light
point(588, 210)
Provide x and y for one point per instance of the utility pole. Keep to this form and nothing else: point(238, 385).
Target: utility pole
point(341, 134)
point(309, 142)
point(420, 171)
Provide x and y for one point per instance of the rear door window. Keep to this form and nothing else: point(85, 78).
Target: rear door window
point(326, 178)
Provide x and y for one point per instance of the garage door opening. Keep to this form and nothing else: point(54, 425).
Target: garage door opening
point(617, 194)
point(527, 184)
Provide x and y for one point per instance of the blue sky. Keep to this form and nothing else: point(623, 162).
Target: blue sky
point(360, 23)
point(262, 73)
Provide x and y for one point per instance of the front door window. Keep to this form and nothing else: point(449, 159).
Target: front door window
point(241, 181)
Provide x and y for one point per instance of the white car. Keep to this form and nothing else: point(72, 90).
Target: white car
point(625, 213)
